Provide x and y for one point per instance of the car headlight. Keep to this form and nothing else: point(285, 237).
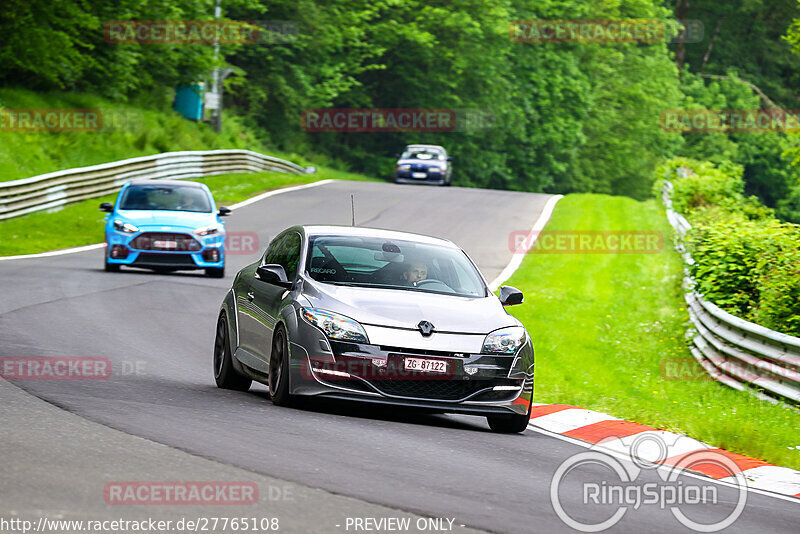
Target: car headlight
point(122, 226)
point(404, 167)
point(504, 341)
point(334, 325)
point(435, 169)
point(208, 230)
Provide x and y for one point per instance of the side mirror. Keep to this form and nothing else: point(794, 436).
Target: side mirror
point(449, 158)
point(510, 296)
point(274, 274)
point(107, 207)
point(224, 211)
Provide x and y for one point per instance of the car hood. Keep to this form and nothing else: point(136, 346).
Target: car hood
point(428, 162)
point(399, 308)
point(179, 219)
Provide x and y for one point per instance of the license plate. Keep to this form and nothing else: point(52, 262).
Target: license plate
point(166, 245)
point(422, 364)
point(418, 175)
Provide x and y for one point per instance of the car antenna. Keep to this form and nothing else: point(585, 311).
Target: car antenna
point(353, 208)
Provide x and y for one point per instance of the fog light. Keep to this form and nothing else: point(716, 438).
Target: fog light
point(119, 252)
point(211, 255)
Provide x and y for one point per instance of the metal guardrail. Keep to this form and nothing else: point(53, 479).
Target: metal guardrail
point(55, 189)
point(736, 352)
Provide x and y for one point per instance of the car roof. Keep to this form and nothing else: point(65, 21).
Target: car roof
point(437, 147)
point(360, 231)
point(166, 182)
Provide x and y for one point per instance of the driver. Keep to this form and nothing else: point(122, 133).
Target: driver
point(416, 272)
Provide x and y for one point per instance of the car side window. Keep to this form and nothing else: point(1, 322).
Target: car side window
point(272, 250)
point(285, 251)
point(291, 255)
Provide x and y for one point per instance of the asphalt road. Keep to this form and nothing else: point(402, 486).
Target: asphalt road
point(158, 330)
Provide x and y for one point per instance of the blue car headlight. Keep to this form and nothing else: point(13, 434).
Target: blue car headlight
point(122, 226)
point(504, 341)
point(334, 325)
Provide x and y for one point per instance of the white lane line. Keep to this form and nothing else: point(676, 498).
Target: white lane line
point(773, 478)
point(570, 419)
point(268, 194)
point(648, 445)
point(54, 252)
point(516, 258)
point(94, 246)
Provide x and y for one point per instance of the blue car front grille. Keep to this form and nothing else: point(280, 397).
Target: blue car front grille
point(165, 242)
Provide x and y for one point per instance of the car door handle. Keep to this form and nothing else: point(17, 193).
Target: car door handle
point(250, 295)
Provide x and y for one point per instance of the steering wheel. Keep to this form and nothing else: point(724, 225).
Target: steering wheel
point(420, 283)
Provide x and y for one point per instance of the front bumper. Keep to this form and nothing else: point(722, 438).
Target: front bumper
point(188, 253)
point(406, 177)
point(472, 383)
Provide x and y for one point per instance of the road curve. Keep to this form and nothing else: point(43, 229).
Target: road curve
point(163, 325)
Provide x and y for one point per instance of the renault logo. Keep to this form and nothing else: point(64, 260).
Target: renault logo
point(425, 328)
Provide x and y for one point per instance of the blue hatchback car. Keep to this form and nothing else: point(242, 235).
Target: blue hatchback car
point(165, 225)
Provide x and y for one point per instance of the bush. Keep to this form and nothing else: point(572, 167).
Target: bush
point(746, 261)
point(726, 252)
point(779, 293)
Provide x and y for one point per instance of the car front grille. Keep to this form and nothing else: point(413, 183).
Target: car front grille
point(431, 389)
point(165, 242)
point(172, 260)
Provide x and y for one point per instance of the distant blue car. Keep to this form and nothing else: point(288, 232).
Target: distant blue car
point(165, 225)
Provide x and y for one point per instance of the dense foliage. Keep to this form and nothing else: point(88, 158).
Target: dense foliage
point(564, 116)
point(745, 261)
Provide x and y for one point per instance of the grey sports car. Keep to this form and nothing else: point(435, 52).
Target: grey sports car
point(377, 316)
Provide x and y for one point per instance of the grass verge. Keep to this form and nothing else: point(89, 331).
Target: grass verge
point(82, 223)
point(607, 327)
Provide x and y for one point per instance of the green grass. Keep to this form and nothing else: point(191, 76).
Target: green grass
point(142, 127)
point(82, 223)
point(605, 324)
point(129, 130)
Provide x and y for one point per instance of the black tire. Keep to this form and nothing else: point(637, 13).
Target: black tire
point(111, 267)
point(508, 424)
point(215, 272)
point(279, 370)
point(225, 375)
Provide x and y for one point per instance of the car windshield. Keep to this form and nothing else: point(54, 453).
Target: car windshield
point(393, 264)
point(422, 153)
point(165, 197)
